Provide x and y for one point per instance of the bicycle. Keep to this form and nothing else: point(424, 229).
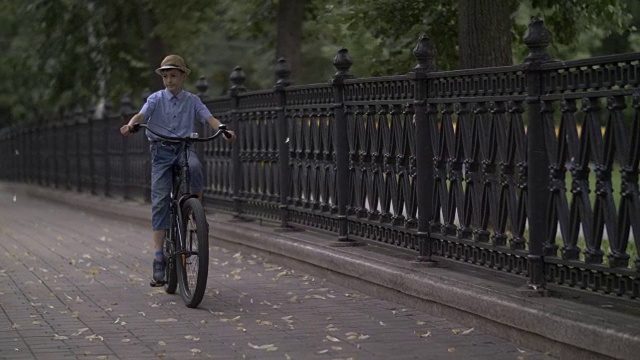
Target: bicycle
point(186, 242)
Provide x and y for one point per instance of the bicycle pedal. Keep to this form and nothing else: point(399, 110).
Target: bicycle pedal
point(157, 283)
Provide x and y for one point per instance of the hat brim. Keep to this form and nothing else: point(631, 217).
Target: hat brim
point(169, 67)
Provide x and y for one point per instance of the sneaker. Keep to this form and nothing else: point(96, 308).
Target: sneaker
point(158, 270)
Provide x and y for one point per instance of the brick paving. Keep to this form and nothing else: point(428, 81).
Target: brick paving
point(75, 285)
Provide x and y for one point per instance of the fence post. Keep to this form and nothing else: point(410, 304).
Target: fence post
point(237, 78)
point(202, 85)
point(125, 109)
point(67, 124)
point(55, 149)
point(92, 154)
point(77, 121)
point(283, 71)
point(38, 148)
point(106, 133)
point(342, 62)
point(537, 39)
point(147, 159)
point(425, 53)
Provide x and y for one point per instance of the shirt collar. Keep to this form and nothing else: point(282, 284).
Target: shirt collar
point(169, 95)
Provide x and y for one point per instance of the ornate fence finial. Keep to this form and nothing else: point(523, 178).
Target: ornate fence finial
point(426, 54)
point(237, 78)
point(537, 38)
point(342, 62)
point(283, 72)
point(125, 104)
point(145, 94)
point(202, 85)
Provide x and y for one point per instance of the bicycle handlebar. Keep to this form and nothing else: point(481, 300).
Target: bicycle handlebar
point(222, 130)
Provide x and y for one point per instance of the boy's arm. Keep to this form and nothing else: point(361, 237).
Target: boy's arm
point(136, 119)
point(214, 123)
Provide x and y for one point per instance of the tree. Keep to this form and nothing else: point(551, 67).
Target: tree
point(59, 53)
point(289, 32)
point(456, 27)
point(83, 51)
point(484, 33)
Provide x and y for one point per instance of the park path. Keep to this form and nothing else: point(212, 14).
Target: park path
point(75, 285)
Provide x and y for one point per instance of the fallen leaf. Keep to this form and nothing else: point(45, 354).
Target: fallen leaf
point(162, 343)
point(80, 331)
point(94, 337)
point(231, 320)
point(468, 331)
point(59, 337)
point(267, 347)
point(331, 338)
point(166, 320)
point(451, 349)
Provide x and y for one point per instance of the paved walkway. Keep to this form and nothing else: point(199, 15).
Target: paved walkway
point(75, 285)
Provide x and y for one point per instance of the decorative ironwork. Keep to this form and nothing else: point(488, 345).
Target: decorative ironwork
point(217, 155)
point(258, 153)
point(382, 184)
point(589, 146)
point(479, 166)
point(530, 169)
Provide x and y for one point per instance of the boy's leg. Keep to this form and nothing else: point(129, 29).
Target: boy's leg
point(197, 174)
point(162, 159)
point(158, 238)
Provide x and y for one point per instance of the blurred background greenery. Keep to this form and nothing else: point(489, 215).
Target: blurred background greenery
point(57, 54)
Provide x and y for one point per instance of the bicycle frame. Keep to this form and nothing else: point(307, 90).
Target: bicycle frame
point(188, 231)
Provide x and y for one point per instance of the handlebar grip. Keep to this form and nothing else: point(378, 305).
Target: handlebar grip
point(135, 128)
point(223, 128)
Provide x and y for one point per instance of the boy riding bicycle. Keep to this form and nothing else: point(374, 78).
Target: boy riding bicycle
point(171, 112)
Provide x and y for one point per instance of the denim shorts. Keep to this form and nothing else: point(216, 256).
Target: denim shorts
point(163, 157)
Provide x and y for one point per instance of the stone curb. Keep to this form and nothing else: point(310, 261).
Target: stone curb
point(561, 328)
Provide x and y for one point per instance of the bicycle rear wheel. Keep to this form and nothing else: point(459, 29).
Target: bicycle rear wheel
point(168, 248)
point(193, 262)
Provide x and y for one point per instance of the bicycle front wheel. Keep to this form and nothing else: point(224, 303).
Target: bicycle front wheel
point(193, 259)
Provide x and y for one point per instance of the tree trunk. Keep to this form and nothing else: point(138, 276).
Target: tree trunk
point(484, 32)
point(288, 39)
point(155, 47)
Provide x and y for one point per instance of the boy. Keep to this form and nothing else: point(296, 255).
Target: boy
point(172, 112)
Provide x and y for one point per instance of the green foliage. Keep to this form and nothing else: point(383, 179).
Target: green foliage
point(68, 52)
point(58, 53)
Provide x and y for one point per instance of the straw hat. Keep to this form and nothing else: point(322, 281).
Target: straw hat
point(173, 62)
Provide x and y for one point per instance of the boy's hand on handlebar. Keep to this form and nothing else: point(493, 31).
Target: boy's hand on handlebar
point(126, 130)
point(229, 135)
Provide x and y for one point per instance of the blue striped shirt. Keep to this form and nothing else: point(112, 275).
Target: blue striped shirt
point(174, 115)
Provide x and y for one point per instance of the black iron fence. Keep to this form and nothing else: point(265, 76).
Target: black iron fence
point(530, 169)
